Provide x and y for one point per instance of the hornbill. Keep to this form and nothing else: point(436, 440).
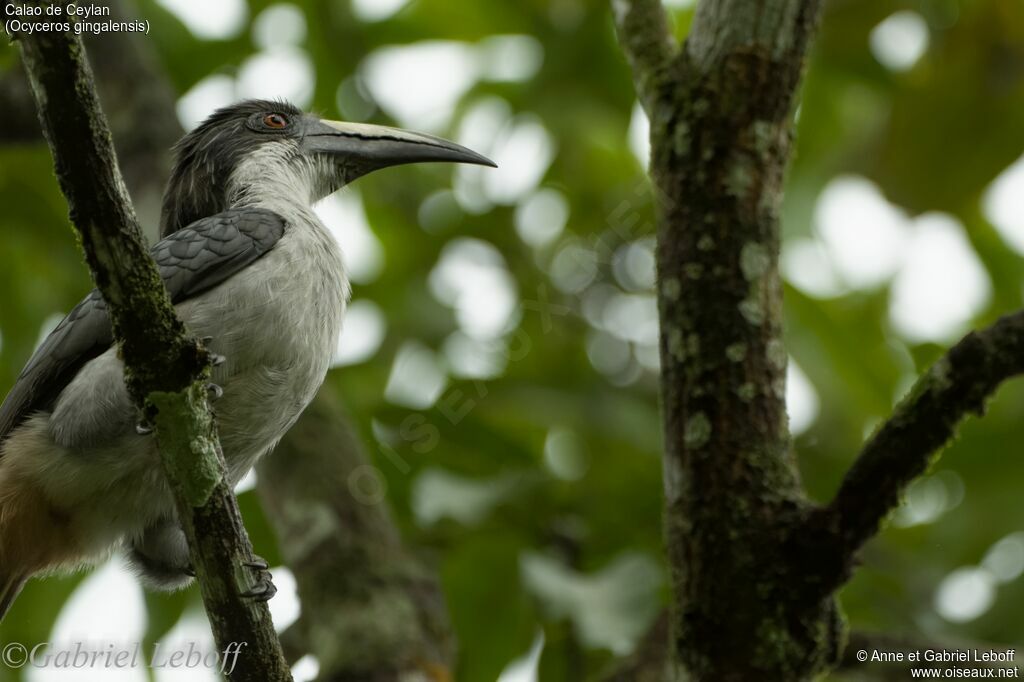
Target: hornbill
point(253, 272)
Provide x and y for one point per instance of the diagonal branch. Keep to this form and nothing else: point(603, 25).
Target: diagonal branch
point(902, 449)
point(86, 168)
point(645, 38)
point(165, 369)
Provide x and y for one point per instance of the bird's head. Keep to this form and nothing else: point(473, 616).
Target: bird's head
point(257, 148)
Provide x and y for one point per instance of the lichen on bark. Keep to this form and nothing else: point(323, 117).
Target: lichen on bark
point(755, 566)
point(184, 425)
point(720, 120)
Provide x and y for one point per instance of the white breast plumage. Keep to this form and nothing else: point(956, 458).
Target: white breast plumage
point(290, 305)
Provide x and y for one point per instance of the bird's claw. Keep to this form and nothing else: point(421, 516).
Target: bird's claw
point(263, 589)
point(214, 392)
point(215, 359)
point(143, 427)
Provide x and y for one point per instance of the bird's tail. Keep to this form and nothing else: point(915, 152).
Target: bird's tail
point(18, 540)
point(10, 587)
point(12, 577)
point(34, 535)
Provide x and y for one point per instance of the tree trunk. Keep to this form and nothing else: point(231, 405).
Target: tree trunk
point(720, 143)
point(721, 114)
point(755, 566)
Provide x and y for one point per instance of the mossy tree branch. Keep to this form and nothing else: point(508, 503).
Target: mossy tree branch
point(904, 446)
point(165, 368)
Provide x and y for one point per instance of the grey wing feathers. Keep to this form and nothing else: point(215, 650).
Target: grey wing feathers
point(190, 261)
point(209, 251)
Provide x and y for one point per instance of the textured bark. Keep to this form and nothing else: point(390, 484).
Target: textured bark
point(372, 612)
point(162, 362)
point(720, 132)
point(755, 566)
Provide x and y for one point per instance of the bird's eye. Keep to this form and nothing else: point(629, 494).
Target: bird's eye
point(276, 121)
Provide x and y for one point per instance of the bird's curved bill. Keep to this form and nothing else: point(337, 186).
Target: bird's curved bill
point(380, 146)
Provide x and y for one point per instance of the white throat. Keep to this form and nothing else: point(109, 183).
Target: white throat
point(278, 177)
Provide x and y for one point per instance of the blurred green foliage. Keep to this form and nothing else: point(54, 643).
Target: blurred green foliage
point(932, 138)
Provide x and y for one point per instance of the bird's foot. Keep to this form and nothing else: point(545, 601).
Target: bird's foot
point(214, 392)
point(215, 359)
point(263, 588)
point(144, 427)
